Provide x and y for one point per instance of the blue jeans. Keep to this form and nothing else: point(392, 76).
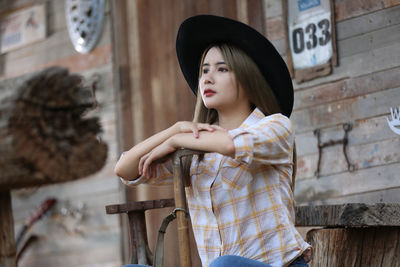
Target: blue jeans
point(237, 261)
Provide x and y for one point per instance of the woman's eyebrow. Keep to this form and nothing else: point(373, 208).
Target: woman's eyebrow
point(218, 63)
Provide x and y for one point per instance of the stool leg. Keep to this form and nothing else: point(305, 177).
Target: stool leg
point(138, 224)
point(133, 259)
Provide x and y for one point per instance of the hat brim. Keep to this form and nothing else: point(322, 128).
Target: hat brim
point(199, 32)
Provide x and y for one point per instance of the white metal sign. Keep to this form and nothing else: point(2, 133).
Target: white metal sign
point(310, 32)
point(23, 27)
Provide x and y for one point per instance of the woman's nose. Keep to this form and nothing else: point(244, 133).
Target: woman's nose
point(208, 78)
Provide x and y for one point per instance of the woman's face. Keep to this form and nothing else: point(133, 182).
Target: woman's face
point(217, 83)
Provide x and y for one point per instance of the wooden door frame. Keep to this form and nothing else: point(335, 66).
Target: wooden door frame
point(122, 85)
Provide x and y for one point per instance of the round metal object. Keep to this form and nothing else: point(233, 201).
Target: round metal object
point(84, 22)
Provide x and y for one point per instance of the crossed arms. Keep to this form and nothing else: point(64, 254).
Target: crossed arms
point(198, 136)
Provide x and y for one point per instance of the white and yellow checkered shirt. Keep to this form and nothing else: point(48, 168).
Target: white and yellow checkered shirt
point(244, 205)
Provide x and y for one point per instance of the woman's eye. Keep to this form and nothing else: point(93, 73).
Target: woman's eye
point(223, 69)
point(205, 71)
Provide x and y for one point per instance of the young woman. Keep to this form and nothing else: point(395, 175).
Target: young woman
point(240, 199)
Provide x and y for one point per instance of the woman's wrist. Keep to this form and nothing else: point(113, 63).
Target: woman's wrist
point(172, 141)
point(176, 128)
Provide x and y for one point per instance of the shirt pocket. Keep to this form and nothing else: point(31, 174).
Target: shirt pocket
point(198, 168)
point(235, 174)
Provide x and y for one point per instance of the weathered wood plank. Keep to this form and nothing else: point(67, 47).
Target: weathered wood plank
point(56, 17)
point(96, 192)
point(25, 201)
point(369, 41)
point(366, 131)
point(56, 49)
point(362, 156)
point(391, 195)
point(378, 103)
point(273, 8)
point(55, 46)
point(368, 23)
point(344, 111)
point(275, 29)
point(349, 9)
point(343, 184)
point(390, 3)
point(369, 247)
point(9, 6)
point(371, 61)
point(346, 88)
point(75, 62)
point(255, 15)
point(108, 255)
point(349, 215)
point(139, 206)
point(352, 27)
point(74, 236)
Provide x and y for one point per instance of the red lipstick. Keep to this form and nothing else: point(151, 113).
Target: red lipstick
point(208, 92)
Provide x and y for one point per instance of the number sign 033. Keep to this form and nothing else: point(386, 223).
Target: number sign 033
point(310, 32)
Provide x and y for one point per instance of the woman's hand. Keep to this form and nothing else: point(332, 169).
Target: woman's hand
point(160, 151)
point(188, 126)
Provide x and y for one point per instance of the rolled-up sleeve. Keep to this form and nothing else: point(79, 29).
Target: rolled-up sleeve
point(163, 175)
point(269, 141)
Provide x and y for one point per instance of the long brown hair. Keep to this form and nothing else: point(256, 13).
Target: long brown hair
point(249, 77)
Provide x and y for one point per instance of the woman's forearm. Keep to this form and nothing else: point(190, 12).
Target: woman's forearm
point(127, 166)
point(218, 141)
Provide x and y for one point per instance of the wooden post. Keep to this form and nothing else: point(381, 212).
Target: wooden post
point(180, 203)
point(7, 242)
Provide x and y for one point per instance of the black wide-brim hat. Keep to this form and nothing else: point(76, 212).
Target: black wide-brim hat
point(199, 32)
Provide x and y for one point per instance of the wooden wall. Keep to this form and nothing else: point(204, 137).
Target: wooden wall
point(65, 239)
point(361, 90)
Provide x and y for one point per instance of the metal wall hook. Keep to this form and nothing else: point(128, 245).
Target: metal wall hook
point(317, 132)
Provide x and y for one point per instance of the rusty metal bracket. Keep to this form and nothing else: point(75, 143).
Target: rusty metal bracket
point(346, 127)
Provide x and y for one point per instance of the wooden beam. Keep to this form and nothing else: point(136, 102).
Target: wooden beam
point(7, 242)
point(349, 215)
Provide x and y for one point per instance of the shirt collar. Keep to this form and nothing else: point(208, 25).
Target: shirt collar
point(254, 117)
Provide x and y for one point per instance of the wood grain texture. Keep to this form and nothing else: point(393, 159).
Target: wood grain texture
point(347, 88)
point(364, 156)
point(368, 23)
point(349, 215)
point(370, 247)
point(346, 9)
point(7, 245)
point(390, 195)
point(344, 184)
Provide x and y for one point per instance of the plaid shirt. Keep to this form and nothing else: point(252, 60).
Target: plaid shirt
point(244, 205)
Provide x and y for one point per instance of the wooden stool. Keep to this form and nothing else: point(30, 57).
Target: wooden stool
point(139, 248)
point(140, 252)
